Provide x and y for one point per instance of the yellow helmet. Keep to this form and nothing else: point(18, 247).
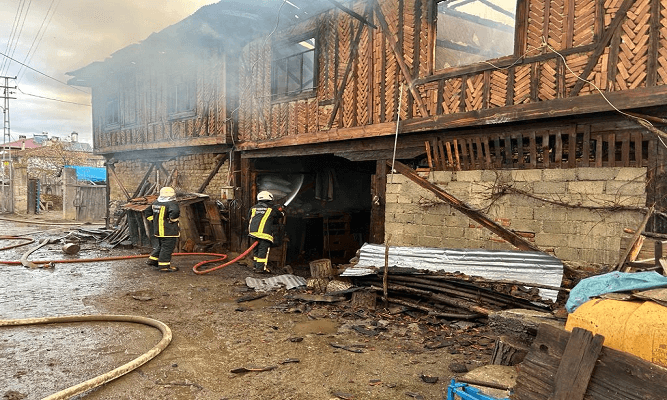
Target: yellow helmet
point(265, 195)
point(167, 192)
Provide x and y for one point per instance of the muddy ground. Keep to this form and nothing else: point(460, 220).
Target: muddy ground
point(393, 354)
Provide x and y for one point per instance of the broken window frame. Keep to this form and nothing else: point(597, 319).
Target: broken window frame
point(182, 97)
point(516, 45)
point(303, 88)
point(130, 103)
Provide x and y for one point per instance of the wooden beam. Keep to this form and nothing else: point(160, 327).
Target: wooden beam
point(111, 169)
point(354, 49)
point(576, 366)
point(214, 171)
point(143, 180)
point(471, 213)
point(606, 37)
point(353, 14)
point(635, 239)
point(399, 58)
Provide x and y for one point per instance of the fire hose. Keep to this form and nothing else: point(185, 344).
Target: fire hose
point(115, 373)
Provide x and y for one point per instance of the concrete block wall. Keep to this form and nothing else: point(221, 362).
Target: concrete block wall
point(192, 171)
point(415, 217)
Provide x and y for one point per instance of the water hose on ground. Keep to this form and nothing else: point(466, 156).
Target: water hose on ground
point(29, 240)
point(113, 374)
point(240, 256)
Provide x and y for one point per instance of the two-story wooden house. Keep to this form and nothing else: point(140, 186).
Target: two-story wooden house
point(538, 113)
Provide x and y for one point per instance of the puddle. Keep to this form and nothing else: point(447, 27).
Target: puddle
point(317, 326)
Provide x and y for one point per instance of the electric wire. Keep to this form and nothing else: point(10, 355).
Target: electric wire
point(18, 37)
point(51, 98)
point(42, 73)
point(11, 33)
point(38, 38)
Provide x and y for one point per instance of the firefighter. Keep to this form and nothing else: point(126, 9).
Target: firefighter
point(261, 218)
point(164, 213)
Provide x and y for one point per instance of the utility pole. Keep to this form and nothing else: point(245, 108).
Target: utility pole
point(7, 170)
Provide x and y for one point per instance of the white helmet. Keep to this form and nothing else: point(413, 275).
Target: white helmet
point(167, 192)
point(265, 195)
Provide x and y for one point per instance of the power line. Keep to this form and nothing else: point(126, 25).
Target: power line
point(28, 56)
point(42, 73)
point(51, 98)
point(19, 9)
point(18, 37)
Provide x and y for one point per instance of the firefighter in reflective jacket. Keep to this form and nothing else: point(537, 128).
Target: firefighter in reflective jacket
point(261, 218)
point(164, 213)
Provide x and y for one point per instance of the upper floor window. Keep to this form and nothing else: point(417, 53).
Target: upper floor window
point(471, 31)
point(293, 68)
point(181, 98)
point(112, 110)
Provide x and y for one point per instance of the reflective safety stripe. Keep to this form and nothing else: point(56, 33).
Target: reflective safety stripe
point(260, 235)
point(161, 221)
point(263, 221)
point(152, 258)
point(150, 218)
point(264, 260)
point(163, 263)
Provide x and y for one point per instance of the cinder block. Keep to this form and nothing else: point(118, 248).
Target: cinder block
point(586, 187)
point(558, 227)
point(490, 176)
point(596, 174)
point(631, 174)
point(527, 225)
point(393, 189)
point(568, 254)
point(544, 213)
point(405, 218)
point(469, 176)
point(626, 187)
point(559, 175)
point(542, 188)
point(551, 240)
point(392, 198)
point(459, 189)
point(429, 241)
point(578, 215)
point(439, 177)
point(413, 229)
point(527, 175)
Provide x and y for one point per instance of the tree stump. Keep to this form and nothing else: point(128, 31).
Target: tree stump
point(364, 299)
point(321, 268)
point(508, 351)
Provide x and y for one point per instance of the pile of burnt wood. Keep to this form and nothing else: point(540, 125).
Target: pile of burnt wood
point(451, 296)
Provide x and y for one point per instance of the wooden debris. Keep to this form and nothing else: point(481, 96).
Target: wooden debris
point(347, 348)
point(253, 369)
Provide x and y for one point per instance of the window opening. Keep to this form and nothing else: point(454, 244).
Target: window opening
point(182, 96)
point(111, 111)
point(293, 68)
point(471, 31)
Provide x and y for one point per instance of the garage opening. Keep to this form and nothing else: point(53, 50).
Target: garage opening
point(330, 214)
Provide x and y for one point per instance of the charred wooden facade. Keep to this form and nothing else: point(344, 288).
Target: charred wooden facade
point(363, 72)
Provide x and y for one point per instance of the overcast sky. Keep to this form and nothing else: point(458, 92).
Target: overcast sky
point(75, 33)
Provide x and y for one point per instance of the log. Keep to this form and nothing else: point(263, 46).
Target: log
point(509, 351)
point(364, 299)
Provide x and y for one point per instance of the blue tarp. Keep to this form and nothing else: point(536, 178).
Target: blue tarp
point(93, 174)
point(611, 283)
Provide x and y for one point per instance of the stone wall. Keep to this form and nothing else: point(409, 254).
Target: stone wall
point(529, 202)
point(192, 170)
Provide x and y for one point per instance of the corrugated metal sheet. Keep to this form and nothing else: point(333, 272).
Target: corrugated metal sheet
point(523, 266)
point(287, 281)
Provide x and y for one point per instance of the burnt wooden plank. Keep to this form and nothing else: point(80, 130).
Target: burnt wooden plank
point(464, 154)
point(586, 147)
point(450, 158)
point(572, 147)
point(653, 44)
point(546, 155)
point(604, 41)
point(428, 154)
point(637, 139)
point(625, 149)
point(598, 151)
point(611, 145)
point(476, 216)
point(499, 155)
point(436, 156)
point(443, 158)
point(508, 152)
point(558, 150)
point(457, 164)
point(533, 150)
point(519, 147)
point(576, 366)
point(487, 152)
